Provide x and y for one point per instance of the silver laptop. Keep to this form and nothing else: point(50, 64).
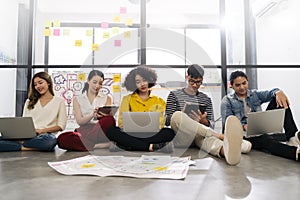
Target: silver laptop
point(141, 122)
point(17, 128)
point(264, 122)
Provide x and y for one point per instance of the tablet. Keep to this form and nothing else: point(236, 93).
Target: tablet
point(108, 109)
point(188, 107)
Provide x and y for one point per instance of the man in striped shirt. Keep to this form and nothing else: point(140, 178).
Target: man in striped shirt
point(196, 128)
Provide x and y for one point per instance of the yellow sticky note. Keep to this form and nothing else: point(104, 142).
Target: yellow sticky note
point(81, 77)
point(127, 34)
point(106, 35)
point(78, 43)
point(56, 23)
point(88, 165)
point(116, 88)
point(47, 23)
point(95, 47)
point(115, 30)
point(117, 78)
point(128, 22)
point(66, 32)
point(160, 168)
point(47, 32)
point(89, 32)
point(117, 18)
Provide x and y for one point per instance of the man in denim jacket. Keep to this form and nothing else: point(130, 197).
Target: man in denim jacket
point(243, 101)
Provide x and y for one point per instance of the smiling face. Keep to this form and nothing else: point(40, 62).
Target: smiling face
point(95, 84)
point(142, 84)
point(240, 86)
point(41, 85)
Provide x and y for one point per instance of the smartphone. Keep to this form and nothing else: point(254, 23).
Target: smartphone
point(195, 107)
point(108, 109)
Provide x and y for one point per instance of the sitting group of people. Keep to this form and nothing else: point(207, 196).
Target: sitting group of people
point(177, 128)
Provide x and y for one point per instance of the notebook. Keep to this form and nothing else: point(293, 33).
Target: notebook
point(141, 122)
point(263, 122)
point(17, 128)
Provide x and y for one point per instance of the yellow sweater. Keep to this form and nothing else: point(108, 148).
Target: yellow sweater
point(133, 103)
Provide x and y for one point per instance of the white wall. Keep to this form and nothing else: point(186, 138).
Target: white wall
point(278, 42)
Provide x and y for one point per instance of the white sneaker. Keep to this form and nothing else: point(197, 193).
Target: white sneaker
point(246, 146)
point(297, 136)
point(292, 142)
point(233, 137)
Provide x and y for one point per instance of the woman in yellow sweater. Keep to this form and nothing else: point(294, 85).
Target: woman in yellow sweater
point(140, 80)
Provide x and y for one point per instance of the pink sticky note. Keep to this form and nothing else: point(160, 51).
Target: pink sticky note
point(117, 43)
point(56, 32)
point(123, 10)
point(104, 25)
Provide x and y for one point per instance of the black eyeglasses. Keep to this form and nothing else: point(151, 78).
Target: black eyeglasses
point(192, 82)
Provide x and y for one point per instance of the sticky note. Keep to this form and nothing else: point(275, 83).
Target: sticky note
point(106, 35)
point(127, 34)
point(47, 23)
point(88, 165)
point(81, 77)
point(115, 30)
point(118, 43)
point(95, 47)
point(56, 32)
point(78, 43)
point(117, 78)
point(89, 32)
point(160, 168)
point(104, 25)
point(116, 88)
point(66, 32)
point(56, 23)
point(128, 22)
point(123, 10)
point(47, 32)
point(117, 18)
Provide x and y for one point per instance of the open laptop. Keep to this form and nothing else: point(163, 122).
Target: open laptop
point(263, 122)
point(13, 128)
point(141, 123)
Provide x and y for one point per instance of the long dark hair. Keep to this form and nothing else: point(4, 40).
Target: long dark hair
point(146, 72)
point(33, 94)
point(90, 76)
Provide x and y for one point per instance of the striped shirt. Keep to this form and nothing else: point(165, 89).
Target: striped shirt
point(177, 99)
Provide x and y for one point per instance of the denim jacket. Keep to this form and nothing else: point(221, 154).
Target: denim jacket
point(231, 105)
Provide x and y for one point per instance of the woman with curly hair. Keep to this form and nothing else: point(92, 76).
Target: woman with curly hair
point(140, 80)
point(48, 114)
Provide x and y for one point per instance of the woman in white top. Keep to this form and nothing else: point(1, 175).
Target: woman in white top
point(93, 125)
point(48, 113)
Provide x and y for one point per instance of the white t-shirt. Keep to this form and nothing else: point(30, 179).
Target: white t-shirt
point(87, 108)
point(52, 114)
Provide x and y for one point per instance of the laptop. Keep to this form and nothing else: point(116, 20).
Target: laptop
point(141, 122)
point(263, 122)
point(13, 128)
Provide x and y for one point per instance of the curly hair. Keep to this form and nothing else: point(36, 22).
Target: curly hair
point(146, 72)
point(33, 94)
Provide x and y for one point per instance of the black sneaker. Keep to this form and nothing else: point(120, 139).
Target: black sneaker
point(165, 147)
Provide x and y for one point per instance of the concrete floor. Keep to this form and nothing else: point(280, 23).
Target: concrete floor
point(26, 175)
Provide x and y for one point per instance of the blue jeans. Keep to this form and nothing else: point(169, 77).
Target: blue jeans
point(43, 142)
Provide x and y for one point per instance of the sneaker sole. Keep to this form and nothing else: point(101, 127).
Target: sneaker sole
point(233, 137)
